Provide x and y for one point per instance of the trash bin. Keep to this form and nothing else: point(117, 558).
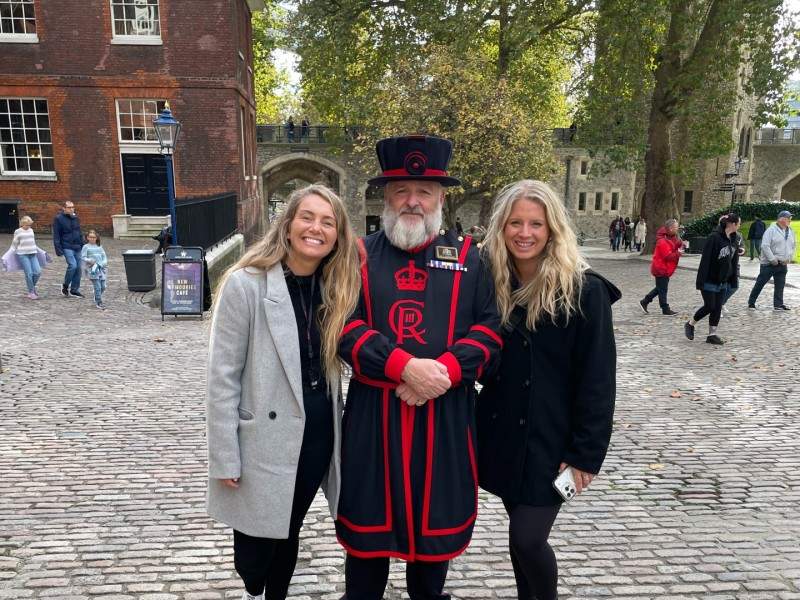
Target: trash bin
point(140, 270)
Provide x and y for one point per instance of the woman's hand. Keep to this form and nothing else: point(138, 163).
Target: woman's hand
point(231, 483)
point(582, 478)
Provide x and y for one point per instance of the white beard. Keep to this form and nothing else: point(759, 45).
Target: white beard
point(406, 235)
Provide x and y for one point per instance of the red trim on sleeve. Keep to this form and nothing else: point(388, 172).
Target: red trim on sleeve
point(352, 325)
point(476, 344)
point(395, 364)
point(449, 360)
point(364, 337)
point(362, 252)
point(485, 330)
point(454, 296)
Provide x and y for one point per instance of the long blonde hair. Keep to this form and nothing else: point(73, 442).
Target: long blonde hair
point(556, 288)
point(341, 281)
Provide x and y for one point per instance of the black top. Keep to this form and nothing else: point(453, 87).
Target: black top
point(306, 299)
point(720, 260)
point(551, 399)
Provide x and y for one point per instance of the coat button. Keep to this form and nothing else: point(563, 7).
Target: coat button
point(272, 414)
point(522, 421)
point(494, 415)
point(524, 343)
point(526, 383)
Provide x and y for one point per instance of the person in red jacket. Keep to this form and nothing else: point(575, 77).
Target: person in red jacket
point(669, 248)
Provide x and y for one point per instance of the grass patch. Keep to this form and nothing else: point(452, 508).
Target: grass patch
point(795, 225)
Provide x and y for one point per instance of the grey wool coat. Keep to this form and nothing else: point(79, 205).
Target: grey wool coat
point(255, 413)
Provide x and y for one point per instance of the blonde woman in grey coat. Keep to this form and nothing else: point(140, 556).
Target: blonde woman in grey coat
point(274, 402)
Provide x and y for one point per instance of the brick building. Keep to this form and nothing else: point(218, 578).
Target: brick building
point(80, 84)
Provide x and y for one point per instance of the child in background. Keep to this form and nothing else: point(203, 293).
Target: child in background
point(95, 263)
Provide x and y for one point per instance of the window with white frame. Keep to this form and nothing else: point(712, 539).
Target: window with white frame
point(614, 200)
point(136, 120)
point(582, 201)
point(25, 144)
point(17, 20)
point(598, 201)
point(135, 20)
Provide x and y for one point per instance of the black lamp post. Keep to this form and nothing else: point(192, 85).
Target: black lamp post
point(167, 130)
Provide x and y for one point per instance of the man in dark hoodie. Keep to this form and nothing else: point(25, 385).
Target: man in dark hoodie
point(716, 275)
point(68, 241)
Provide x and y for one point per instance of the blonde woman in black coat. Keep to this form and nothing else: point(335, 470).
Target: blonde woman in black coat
point(549, 405)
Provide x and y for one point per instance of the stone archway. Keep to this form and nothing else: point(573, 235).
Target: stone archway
point(789, 188)
point(282, 175)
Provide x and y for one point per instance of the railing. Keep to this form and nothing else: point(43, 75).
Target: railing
point(772, 135)
point(206, 221)
point(310, 134)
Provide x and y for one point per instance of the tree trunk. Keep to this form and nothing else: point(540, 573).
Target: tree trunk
point(659, 195)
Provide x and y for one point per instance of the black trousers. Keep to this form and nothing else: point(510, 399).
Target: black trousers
point(712, 306)
point(267, 564)
point(534, 562)
point(365, 579)
point(662, 286)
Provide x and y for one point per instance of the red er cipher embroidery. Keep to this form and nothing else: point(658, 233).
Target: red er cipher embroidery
point(404, 318)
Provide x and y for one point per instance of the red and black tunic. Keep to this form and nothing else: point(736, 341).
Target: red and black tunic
point(409, 480)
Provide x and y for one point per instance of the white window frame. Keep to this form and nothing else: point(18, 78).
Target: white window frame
point(602, 201)
point(578, 203)
point(580, 168)
point(149, 39)
point(5, 174)
point(136, 143)
point(19, 38)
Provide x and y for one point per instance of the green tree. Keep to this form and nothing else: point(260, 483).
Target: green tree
point(268, 81)
point(439, 91)
point(666, 72)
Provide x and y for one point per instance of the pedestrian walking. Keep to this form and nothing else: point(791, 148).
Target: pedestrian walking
point(549, 405)
point(734, 285)
point(24, 255)
point(668, 251)
point(426, 327)
point(778, 246)
point(68, 241)
point(273, 386)
point(755, 236)
point(628, 235)
point(459, 226)
point(640, 233)
point(290, 129)
point(616, 231)
point(95, 262)
point(716, 274)
point(304, 127)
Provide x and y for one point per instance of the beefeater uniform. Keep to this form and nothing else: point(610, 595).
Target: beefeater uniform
point(409, 479)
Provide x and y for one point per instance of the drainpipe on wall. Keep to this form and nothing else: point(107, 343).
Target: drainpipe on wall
point(568, 161)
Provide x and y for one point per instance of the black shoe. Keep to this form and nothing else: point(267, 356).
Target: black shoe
point(64, 290)
point(668, 311)
point(753, 306)
point(782, 307)
point(75, 294)
point(688, 330)
point(643, 304)
point(715, 339)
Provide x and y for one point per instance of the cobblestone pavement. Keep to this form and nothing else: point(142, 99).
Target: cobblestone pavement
point(102, 460)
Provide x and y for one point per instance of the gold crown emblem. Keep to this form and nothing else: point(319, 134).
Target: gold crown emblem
point(411, 278)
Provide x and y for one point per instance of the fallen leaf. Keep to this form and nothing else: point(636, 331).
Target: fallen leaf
point(656, 466)
point(159, 340)
point(675, 394)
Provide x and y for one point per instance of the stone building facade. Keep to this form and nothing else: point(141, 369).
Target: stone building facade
point(80, 83)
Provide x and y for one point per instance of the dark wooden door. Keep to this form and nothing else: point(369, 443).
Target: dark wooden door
point(145, 180)
point(9, 217)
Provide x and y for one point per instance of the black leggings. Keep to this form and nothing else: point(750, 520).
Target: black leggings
point(712, 306)
point(270, 562)
point(365, 579)
point(534, 561)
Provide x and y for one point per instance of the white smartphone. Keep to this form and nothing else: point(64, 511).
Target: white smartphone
point(565, 484)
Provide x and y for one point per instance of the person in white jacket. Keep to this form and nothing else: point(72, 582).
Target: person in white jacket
point(777, 251)
point(639, 233)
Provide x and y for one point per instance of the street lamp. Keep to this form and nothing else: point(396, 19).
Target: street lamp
point(167, 130)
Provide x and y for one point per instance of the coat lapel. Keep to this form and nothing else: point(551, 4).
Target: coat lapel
point(283, 327)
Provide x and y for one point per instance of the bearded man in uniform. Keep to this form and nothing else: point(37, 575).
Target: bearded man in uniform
point(425, 328)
